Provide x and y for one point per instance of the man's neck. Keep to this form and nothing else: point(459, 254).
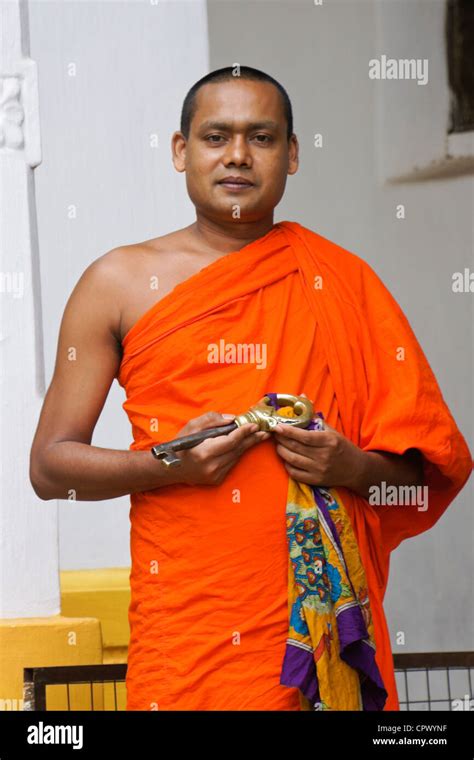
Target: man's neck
point(226, 237)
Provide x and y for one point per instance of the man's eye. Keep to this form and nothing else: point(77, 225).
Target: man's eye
point(260, 138)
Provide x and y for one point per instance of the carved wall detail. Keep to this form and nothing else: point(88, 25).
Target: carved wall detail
point(12, 113)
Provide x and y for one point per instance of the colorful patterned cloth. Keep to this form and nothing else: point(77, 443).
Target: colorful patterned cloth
point(330, 649)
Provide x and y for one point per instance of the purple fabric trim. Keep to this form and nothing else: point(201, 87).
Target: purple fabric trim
point(299, 670)
point(361, 656)
point(324, 509)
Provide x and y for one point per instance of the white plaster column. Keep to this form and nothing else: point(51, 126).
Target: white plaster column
point(29, 575)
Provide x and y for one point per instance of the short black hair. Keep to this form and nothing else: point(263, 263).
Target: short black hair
point(224, 75)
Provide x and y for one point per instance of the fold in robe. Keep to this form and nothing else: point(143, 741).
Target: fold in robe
point(209, 603)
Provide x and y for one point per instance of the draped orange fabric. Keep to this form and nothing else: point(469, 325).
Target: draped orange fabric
point(209, 605)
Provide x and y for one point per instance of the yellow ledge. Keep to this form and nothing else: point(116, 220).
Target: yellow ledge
point(92, 629)
point(43, 642)
point(104, 594)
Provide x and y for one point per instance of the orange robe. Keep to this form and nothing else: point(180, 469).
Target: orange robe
point(209, 586)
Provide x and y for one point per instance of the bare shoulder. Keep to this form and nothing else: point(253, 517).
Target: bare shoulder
point(135, 276)
point(102, 280)
point(128, 260)
point(93, 304)
point(112, 271)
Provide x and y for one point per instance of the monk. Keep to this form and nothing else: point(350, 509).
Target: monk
point(197, 326)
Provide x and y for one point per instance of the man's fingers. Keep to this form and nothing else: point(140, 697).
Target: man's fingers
point(296, 460)
point(242, 438)
point(233, 440)
point(251, 440)
point(225, 452)
point(288, 433)
point(207, 420)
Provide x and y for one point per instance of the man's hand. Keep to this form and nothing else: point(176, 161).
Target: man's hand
point(329, 459)
point(209, 462)
point(319, 457)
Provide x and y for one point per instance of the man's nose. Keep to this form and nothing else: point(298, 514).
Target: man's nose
point(237, 151)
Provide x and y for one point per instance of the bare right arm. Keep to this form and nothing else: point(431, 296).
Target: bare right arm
point(63, 463)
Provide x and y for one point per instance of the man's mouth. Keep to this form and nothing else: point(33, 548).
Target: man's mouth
point(235, 183)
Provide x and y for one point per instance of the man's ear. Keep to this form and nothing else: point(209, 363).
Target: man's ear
point(178, 151)
point(293, 151)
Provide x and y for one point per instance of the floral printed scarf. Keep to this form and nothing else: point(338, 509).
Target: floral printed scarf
point(330, 649)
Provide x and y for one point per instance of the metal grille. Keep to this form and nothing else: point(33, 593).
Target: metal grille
point(425, 681)
point(435, 680)
point(75, 687)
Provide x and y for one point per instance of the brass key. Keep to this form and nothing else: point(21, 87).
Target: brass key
point(262, 414)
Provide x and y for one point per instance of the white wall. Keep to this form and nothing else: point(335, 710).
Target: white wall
point(320, 54)
point(134, 61)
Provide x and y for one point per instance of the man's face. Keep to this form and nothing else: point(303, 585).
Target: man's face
point(238, 130)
